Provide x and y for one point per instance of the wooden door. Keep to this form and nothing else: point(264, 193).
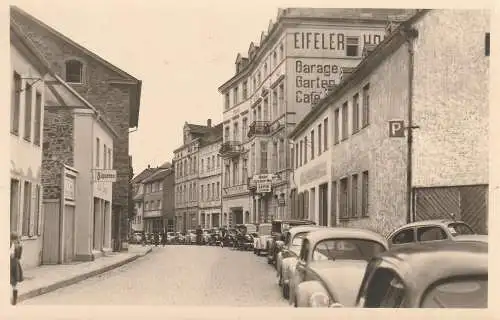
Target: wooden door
point(69, 233)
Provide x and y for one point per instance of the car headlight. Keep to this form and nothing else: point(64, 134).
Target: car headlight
point(319, 300)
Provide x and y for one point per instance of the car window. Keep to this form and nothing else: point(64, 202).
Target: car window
point(459, 228)
point(385, 290)
point(458, 293)
point(432, 233)
point(297, 239)
point(265, 230)
point(347, 249)
point(276, 227)
point(404, 236)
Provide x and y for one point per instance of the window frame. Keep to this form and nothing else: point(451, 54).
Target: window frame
point(413, 229)
point(81, 66)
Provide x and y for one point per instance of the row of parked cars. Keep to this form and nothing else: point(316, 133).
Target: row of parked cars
point(426, 264)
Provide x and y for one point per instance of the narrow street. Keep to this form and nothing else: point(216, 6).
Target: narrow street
point(180, 276)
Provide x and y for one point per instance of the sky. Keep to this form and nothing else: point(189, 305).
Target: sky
point(181, 50)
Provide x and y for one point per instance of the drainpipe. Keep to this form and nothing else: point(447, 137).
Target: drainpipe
point(410, 34)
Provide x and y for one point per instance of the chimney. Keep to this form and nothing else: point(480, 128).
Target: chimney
point(209, 123)
point(149, 166)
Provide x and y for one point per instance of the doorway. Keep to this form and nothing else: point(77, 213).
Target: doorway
point(69, 233)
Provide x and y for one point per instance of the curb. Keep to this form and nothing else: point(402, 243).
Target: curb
point(67, 282)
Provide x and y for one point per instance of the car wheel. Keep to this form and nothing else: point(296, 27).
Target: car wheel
point(258, 252)
point(269, 261)
point(295, 304)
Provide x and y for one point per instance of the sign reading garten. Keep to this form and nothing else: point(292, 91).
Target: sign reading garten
point(314, 80)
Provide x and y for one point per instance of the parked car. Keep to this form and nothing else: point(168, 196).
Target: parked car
point(260, 241)
point(433, 230)
point(170, 237)
point(191, 237)
point(275, 243)
point(287, 257)
point(428, 275)
point(244, 238)
point(331, 266)
point(206, 236)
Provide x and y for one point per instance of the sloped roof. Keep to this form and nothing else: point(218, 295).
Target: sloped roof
point(159, 174)
point(166, 165)
point(143, 175)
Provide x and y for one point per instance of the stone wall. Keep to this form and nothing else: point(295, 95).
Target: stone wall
point(58, 132)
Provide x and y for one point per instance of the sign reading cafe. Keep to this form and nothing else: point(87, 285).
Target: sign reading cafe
point(312, 81)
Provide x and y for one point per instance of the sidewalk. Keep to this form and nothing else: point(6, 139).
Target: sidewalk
point(44, 279)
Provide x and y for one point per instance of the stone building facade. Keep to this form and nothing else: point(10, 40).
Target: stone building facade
point(112, 91)
point(295, 63)
point(363, 179)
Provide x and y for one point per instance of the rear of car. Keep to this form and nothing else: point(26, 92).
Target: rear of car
point(276, 242)
point(261, 241)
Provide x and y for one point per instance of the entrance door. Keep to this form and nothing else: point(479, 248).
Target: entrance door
point(69, 233)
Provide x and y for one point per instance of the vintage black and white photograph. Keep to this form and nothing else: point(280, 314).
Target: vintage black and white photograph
point(199, 153)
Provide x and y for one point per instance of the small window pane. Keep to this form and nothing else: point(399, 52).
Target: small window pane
point(405, 236)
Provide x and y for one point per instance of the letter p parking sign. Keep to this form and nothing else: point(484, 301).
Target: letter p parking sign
point(396, 129)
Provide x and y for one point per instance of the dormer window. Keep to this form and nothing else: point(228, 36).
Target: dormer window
point(74, 71)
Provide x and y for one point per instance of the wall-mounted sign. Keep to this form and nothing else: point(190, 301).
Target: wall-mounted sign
point(263, 182)
point(69, 188)
point(396, 129)
point(314, 78)
point(104, 175)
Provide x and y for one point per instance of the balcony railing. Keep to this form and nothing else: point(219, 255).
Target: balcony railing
point(230, 149)
point(258, 127)
point(235, 190)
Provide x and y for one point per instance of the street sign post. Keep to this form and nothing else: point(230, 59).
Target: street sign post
point(396, 129)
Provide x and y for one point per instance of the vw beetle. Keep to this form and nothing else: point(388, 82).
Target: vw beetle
point(431, 275)
point(331, 266)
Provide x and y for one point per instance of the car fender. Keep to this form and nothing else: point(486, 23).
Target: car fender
point(304, 291)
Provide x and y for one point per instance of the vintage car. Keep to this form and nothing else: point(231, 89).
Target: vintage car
point(190, 237)
point(427, 275)
point(245, 236)
point(331, 266)
point(260, 241)
point(433, 230)
point(170, 237)
point(287, 257)
point(276, 242)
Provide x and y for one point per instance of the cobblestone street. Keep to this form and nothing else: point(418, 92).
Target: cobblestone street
point(180, 276)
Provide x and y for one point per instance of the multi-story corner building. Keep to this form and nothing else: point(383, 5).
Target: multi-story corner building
point(137, 222)
point(113, 92)
point(356, 164)
point(158, 199)
point(28, 75)
point(210, 179)
point(186, 163)
point(296, 62)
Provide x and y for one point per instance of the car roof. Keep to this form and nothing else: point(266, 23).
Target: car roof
point(439, 222)
point(341, 232)
point(415, 262)
point(298, 229)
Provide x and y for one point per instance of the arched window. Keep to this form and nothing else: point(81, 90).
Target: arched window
point(74, 71)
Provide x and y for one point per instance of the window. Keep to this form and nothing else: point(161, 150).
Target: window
point(218, 190)
point(336, 136)
point(226, 134)
point(244, 171)
point(245, 90)
point(292, 156)
point(26, 209)
point(235, 173)
point(244, 124)
point(14, 205)
point(252, 159)
point(319, 139)
point(213, 190)
point(202, 193)
point(366, 105)
point(334, 204)
point(259, 113)
point(274, 155)
point(226, 176)
point(266, 110)
point(254, 83)
point(263, 157)
point(208, 191)
point(27, 112)
point(98, 152)
point(306, 149)
point(195, 165)
point(226, 100)
point(364, 196)
point(347, 249)
point(104, 155)
point(281, 52)
point(300, 156)
point(208, 164)
point(344, 197)
point(259, 79)
point(218, 161)
point(296, 155)
point(202, 164)
point(38, 118)
point(15, 110)
point(312, 144)
point(458, 292)
point(235, 96)
point(275, 59)
point(325, 134)
point(432, 233)
point(274, 103)
point(354, 195)
point(265, 70)
point(345, 124)
point(385, 290)
point(487, 44)
point(74, 71)
point(352, 48)
point(281, 99)
point(404, 236)
point(158, 204)
point(282, 154)
point(355, 113)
